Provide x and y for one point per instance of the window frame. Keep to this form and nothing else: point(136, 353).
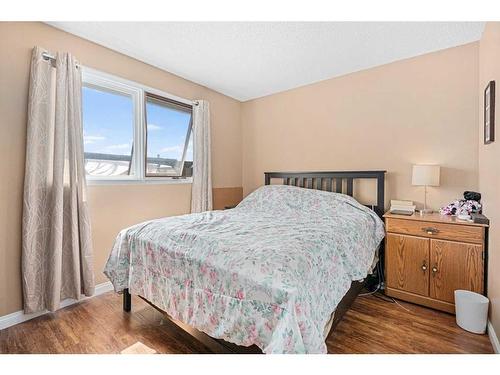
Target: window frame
point(137, 91)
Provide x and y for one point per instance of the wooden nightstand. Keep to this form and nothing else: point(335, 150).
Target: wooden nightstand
point(428, 257)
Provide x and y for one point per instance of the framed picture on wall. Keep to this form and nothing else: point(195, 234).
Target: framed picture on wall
point(489, 113)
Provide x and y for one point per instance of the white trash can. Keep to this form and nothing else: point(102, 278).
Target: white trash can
point(471, 311)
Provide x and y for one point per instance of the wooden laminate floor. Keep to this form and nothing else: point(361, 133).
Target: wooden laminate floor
point(372, 325)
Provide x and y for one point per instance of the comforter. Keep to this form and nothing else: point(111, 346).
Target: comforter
point(269, 272)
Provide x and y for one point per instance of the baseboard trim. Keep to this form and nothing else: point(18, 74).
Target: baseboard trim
point(19, 316)
point(493, 338)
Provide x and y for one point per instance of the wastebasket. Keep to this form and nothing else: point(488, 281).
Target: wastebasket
point(471, 311)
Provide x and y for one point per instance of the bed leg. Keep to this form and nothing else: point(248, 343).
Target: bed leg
point(127, 300)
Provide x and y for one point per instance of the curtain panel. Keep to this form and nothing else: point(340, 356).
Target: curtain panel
point(201, 196)
point(57, 260)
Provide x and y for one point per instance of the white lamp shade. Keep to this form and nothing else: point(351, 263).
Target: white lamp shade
point(427, 175)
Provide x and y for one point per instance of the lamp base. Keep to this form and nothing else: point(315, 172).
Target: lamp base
point(426, 211)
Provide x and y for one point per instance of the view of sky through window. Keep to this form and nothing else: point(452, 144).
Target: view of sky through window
point(167, 129)
point(108, 122)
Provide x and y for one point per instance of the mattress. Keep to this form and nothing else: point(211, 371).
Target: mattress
point(269, 272)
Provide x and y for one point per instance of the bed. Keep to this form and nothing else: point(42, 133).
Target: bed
point(274, 274)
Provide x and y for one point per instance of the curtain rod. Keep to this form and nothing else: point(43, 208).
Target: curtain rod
point(51, 58)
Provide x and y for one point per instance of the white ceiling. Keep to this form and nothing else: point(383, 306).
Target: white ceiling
point(247, 60)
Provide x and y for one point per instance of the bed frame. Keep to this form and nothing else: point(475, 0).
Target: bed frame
point(339, 182)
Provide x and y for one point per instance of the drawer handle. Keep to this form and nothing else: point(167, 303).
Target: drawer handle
point(424, 267)
point(430, 230)
point(434, 269)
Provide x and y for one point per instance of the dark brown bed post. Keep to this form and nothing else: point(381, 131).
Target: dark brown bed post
point(267, 178)
point(381, 193)
point(127, 300)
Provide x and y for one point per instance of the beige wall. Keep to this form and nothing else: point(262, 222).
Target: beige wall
point(112, 207)
point(420, 110)
point(489, 162)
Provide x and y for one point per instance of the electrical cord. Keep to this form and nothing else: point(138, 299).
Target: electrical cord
point(370, 293)
point(377, 289)
point(384, 298)
point(400, 305)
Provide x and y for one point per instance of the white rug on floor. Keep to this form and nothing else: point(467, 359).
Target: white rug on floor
point(138, 348)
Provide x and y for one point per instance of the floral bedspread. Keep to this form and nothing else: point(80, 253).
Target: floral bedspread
point(269, 272)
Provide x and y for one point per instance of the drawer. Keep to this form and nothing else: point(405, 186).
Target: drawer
point(429, 229)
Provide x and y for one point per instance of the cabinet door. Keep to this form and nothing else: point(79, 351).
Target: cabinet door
point(455, 265)
point(407, 263)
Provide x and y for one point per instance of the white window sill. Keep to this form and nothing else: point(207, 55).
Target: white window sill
point(147, 181)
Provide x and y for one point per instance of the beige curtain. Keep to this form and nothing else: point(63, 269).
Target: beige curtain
point(201, 198)
point(56, 251)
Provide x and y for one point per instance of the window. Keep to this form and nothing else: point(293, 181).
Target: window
point(168, 134)
point(108, 134)
point(134, 133)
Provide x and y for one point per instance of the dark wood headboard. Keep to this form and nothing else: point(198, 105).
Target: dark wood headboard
point(333, 181)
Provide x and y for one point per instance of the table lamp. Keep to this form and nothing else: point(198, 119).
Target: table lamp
point(425, 175)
